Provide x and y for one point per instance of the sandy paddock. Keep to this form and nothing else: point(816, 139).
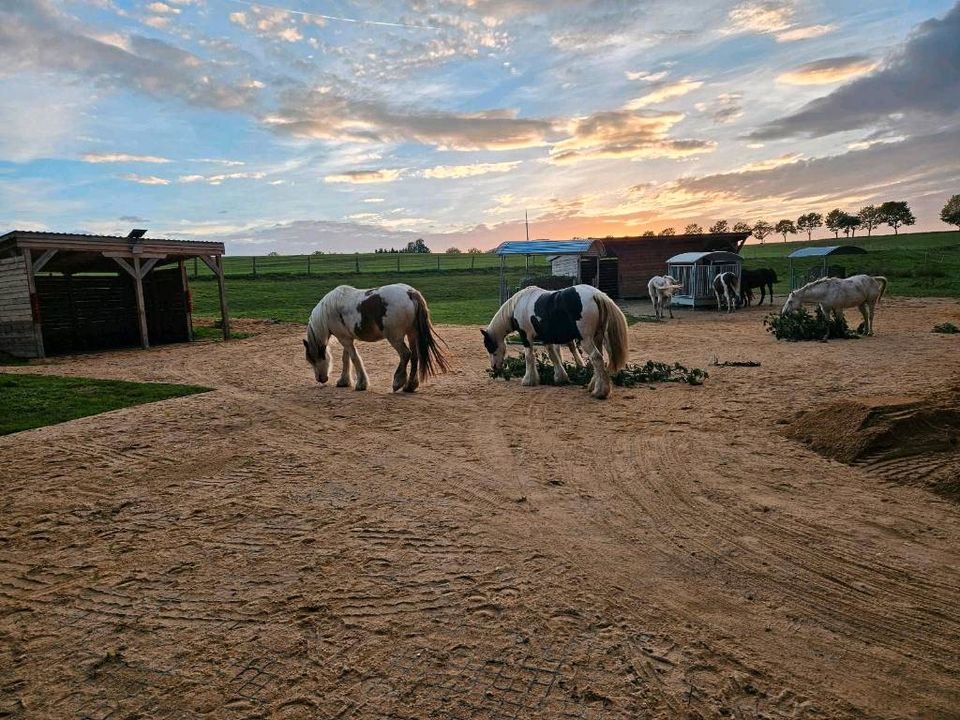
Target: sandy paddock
point(481, 550)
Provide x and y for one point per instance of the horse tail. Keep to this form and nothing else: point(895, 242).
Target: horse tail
point(431, 358)
point(883, 285)
point(613, 326)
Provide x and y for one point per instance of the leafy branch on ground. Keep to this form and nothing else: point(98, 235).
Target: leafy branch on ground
point(631, 376)
point(947, 328)
point(799, 325)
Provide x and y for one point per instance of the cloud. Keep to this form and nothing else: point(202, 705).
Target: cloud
point(132, 219)
point(625, 134)
point(219, 179)
point(664, 91)
point(374, 200)
point(920, 76)
point(771, 163)
point(36, 36)
point(643, 75)
point(447, 172)
point(145, 179)
point(364, 176)
point(122, 158)
point(323, 114)
point(725, 108)
point(828, 70)
point(162, 9)
point(773, 18)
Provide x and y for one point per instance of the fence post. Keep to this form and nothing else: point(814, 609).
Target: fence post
point(438, 261)
point(356, 262)
point(398, 262)
point(195, 268)
point(254, 266)
point(308, 264)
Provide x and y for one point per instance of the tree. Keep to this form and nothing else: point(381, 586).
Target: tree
point(895, 214)
point(320, 252)
point(671, 231)
point(869, 217)
point(951, 212)
point(834, 221)
point(762, 229)
point(849, 224)
point(693, 229)
point(273, 253)
point(417, 246)
point(452, 251)
point(808, 223)
point(474, 251)
point(786, 227)
point(648, 233)
point(720, 226)
point(741, 226)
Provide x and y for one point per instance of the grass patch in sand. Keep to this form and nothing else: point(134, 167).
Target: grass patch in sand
point(32, 401)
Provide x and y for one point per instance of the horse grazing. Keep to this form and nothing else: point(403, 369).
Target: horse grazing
point(559, 318)
point(726, 287)
point(661, 289)
point(762, 278)
point(392, 313)
point(836, 294)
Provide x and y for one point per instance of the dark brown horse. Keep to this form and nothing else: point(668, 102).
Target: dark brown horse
point(762, 278)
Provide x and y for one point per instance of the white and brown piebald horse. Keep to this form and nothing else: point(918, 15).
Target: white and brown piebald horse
point(394, 313)
point(835, 294)
point(557, 318)
point(726, 286)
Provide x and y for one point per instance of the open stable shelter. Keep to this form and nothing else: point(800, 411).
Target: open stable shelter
point(695, 272)
point(568, 257)
point(820, 267)
point(63, 293)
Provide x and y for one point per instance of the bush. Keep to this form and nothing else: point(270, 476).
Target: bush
point(799, 325)
point(631, 376)
point(947, 328)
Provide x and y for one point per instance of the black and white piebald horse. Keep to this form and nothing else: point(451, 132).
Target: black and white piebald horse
point(557, 318)
point(393, 313)
point(726, 286)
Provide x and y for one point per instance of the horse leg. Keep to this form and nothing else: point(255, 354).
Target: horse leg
point(400, 374)
point(531, 377)
point(413, 380)
point(559, 372)
point(344, 380)
point(867, 313)
point(358, 364)
point(601, 386)
point(719, 304)
point(575, 351)
point(669, 302)
point(656, 305)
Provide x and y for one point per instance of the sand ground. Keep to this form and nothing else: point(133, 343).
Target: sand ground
point(480, 550)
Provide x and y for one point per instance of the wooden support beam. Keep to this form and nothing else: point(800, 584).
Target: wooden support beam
point(141, 307)
point(148, 266)
point(43, 260)
point(34, 304)
point(185, 286)
point(210, 262)
point(134, 272)
point(224, 310)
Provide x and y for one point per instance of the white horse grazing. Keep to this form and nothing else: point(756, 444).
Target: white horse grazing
point(392, 313)
point(661, 289)
point(835, 294)
point(557, 318)
point(726, 285)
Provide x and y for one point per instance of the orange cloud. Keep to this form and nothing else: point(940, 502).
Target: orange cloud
point(827, 71)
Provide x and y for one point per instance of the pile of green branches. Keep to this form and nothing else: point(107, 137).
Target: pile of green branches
point(631, 376)
point(947, 328)
point(799, 325)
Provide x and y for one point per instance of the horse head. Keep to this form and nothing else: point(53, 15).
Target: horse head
point(319, 357)
point(497, 349)
point(793, 302)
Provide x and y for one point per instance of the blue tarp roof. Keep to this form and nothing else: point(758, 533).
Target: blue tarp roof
point(827, 250)
point(693, 257)
point(547, 247)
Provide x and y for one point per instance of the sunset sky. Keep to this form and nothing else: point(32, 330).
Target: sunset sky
point(303, 125)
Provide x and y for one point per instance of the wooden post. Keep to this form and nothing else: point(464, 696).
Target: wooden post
point(34, 304)
point(141, 307)
point(195, 268)
point(254, 266)
point(308, 265)
point(503, 281)
point(356, 262)
point(473, 259)
point(224, 310)
point(185, 286)
point(438, 261)
point(398, 262)
point(596, 280)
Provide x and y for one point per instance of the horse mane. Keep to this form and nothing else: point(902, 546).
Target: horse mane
point(502, 318)
point(319, 318)
point(818, 281)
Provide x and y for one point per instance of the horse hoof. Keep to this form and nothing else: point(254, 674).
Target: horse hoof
point(361, 387)
point(343, 383)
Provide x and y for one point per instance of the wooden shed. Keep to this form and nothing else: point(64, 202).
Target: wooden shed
point(63, 293)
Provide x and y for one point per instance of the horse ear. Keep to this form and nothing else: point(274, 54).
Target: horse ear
point(484, 333)
point(306, 344)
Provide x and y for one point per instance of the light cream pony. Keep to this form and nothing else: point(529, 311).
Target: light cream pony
point(836, 294)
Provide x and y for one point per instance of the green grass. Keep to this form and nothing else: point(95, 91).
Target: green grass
point(32, 401)
point(916, 264)
point(209, 332)
point(455, 297)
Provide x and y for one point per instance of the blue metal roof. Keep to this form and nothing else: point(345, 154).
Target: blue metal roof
point(548, 247)
point(688, 258)
point(823, 250)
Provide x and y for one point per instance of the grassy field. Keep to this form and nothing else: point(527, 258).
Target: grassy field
point(918, 264)
point(32, 401)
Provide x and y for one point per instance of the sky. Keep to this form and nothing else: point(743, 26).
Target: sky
point(304, 125)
